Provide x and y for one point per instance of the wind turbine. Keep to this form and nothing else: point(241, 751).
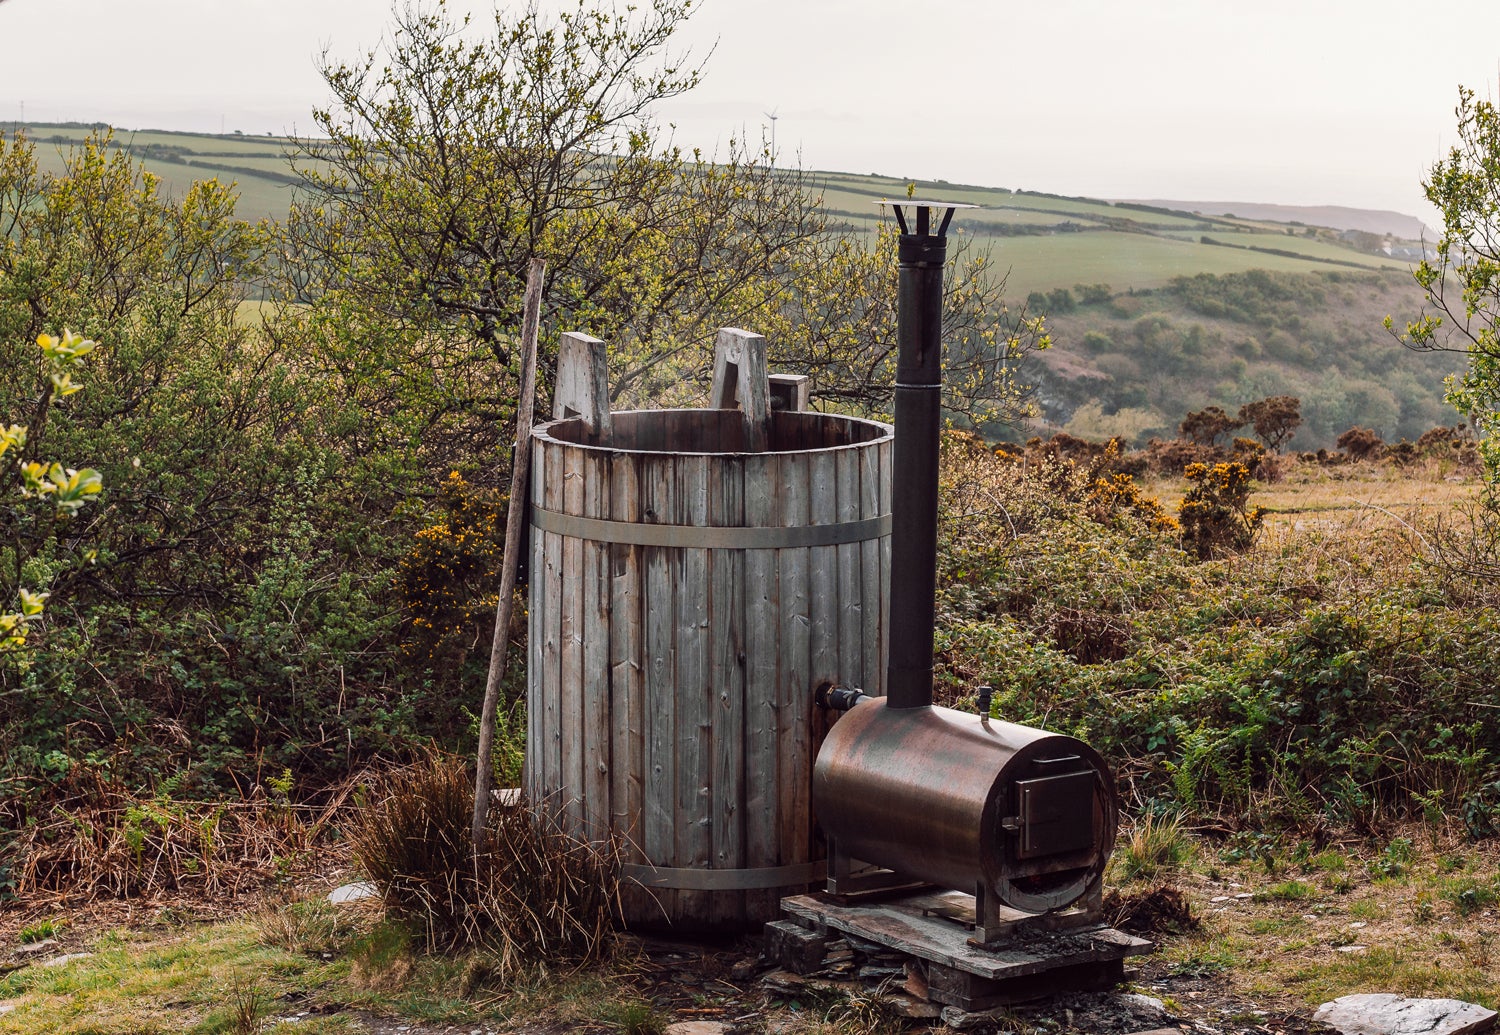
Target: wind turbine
point(773, 117)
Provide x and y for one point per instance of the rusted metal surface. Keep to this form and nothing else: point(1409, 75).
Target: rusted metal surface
point(937, 794)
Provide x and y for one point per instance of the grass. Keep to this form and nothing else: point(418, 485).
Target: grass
point(1153, 845)
point(1147, 253)
point(247, 975)
point(1359, 499)
point(638, 1017)
point(1469, 894)
point(1286, 891)
point(1292, 944)
point(1425, 932)
point(254, 164)
point(534, 896)
point(1123, 260)
point(40, 931)
point(1310, 248)
point(142, 982)
point(259, 197)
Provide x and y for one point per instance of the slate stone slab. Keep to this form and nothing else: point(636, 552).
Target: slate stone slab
point(1381, 1013)
point(353, 892)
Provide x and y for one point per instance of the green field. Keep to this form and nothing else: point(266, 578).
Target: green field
point(1046, 241)
point(257, 166)
point(1134, 261)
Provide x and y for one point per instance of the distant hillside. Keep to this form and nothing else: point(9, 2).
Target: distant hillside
point(1134, 363)
point(1156, 308)
point(257, 166)
point(1336, 217)
point(1045, 241)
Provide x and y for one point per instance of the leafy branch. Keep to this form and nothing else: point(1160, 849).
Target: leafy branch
point(31, 486)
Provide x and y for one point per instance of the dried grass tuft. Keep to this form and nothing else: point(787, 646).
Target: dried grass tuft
point(534, 895)
point(94, 838)
point(310, 926)
point(246, 1005)
point(1156, 843)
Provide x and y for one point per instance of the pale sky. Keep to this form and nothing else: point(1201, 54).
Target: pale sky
point(1286, 101)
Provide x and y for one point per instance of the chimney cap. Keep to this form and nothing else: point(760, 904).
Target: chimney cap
point(925, 207)
point(923, 203)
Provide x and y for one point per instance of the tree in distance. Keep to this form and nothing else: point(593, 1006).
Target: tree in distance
point(449, 164)
point(1275, 419)
point(1208, 425)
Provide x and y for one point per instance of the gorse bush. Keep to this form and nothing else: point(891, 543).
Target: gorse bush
point(448, 578)
point(1215, 514)
point(233, 600)
point(37, 498)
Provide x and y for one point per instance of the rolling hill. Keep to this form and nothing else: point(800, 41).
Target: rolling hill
point(1155, 307)
point(1338, 217)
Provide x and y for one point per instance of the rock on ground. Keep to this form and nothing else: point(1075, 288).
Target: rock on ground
point(353, 892)
point(1385, 1014)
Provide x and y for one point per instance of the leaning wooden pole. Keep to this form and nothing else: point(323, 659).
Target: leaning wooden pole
point(520, 466)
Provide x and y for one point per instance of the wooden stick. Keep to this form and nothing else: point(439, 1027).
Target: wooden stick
point(520, 466)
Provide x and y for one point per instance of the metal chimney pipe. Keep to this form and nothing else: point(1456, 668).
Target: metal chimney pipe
point(914, 475)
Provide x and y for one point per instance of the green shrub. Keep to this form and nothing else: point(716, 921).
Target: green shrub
point(266, 478)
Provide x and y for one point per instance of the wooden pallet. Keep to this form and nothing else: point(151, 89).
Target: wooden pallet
point(933, 930)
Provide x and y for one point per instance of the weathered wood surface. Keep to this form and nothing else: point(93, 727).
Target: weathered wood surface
point(627, 713)
point(659, 608)
point(582, 386)
point(693, 734)
point(740, 382)
point(794, 704)
point(549, 742)
point(761, 710)
point(598, 740)
point(532, 778)
point(571, 676)
point(910, 928)
point(790, 391)
point(672, 686)
point(515, 521)
point(726, 692)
